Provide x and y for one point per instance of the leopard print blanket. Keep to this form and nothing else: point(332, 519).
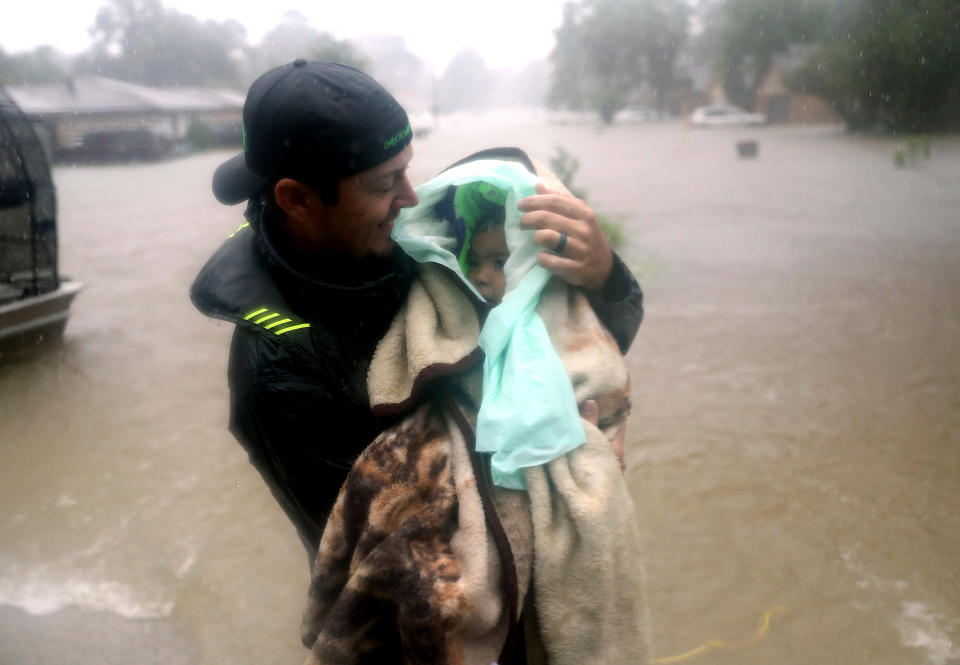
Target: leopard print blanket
point(425, 561)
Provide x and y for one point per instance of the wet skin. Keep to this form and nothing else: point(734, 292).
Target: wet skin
point(359, 224)
point(485, 260)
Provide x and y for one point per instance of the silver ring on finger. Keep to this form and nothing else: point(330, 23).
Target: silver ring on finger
point(561, 244)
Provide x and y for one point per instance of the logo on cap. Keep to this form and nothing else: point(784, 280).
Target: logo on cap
point(396, 138)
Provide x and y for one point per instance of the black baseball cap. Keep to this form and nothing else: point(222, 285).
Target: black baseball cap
point(314, 122)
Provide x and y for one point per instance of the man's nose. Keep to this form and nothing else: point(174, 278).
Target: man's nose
point(407, 197)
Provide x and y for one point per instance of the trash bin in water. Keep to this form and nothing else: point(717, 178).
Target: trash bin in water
point(747, 149)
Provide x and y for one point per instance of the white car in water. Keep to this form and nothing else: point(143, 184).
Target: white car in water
point(638, 114)
point(725, 115)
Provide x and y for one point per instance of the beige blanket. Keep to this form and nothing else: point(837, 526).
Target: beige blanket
point(423, 560)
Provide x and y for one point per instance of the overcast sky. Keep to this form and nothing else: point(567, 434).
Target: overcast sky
point(505, 32)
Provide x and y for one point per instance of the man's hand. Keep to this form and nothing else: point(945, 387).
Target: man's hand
point(586, 259)
point(591, 413)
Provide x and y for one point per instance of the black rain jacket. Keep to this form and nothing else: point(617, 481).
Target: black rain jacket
point(298, 364)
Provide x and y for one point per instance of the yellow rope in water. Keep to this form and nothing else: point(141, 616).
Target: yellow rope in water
point(718, 644)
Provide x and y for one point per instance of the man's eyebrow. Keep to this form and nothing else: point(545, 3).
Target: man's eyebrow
point(389, 174)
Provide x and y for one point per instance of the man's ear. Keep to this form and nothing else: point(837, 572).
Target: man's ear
point(295, 199)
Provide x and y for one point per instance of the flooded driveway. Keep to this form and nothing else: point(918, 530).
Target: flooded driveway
point(795, 441)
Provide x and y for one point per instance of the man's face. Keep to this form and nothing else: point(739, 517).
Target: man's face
point(359, 225)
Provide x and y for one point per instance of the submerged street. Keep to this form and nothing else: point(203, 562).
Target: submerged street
point(794, 442)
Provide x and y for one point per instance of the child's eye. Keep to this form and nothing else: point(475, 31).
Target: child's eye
point(499, 263)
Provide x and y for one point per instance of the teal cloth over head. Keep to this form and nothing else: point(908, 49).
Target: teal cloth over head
point(528, 415)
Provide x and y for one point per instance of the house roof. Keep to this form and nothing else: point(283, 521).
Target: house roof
point(98, 94)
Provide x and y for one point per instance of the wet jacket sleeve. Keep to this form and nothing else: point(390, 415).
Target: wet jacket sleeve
point(268, 423)
point(293, 432)
point(619, 305)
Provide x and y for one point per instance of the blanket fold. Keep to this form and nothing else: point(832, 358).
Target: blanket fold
point(415, 562)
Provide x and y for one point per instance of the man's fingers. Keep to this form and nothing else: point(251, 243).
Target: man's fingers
point(553, 203)
point(569, 270)
point(618, 448)
point(549, 239)
point(551, 214)
point(542, 188)
point(561, 204)
point(590, 412)
point(542, 219)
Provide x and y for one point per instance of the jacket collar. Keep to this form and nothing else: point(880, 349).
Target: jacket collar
point(247, 273)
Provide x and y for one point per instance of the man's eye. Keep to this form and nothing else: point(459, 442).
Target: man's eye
point(383, 186)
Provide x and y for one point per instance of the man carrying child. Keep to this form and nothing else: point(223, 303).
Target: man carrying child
point(312, 280)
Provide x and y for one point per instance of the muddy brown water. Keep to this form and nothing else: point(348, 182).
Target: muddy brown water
point(795, 440)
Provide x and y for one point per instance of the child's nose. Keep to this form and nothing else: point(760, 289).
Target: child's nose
point(484, 275)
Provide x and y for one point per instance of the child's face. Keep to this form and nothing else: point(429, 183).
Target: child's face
point(488, 252)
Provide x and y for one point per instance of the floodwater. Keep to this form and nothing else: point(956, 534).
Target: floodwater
point(795, 440)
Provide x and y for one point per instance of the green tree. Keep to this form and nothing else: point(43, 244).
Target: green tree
point(567, 59)
point(327, 47)
point(402, 72)
point(466, 83)
point(528, 86)
point(666, 32)
point(143, 42)
point(294, 38)
point(41, 65)
point(749, 33)
point(894, 65)
point(607, 50)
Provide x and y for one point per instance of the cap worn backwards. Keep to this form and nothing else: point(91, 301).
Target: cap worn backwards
point(314, 122)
